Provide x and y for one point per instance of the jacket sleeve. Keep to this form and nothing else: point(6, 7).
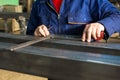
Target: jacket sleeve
point(33, 21)
point(109, 16)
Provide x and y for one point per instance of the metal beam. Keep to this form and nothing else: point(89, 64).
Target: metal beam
point(61, 59)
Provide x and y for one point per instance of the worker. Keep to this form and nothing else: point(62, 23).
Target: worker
point(85, 18)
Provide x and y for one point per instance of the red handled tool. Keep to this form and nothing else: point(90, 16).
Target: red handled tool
point(101, 36)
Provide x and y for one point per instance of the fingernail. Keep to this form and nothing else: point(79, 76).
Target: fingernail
point(83, 40)
point(88, 40)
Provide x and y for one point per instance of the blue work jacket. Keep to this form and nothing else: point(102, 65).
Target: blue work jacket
point(73, 16)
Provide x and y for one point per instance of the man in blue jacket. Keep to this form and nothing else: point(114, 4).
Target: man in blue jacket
point(86, 18)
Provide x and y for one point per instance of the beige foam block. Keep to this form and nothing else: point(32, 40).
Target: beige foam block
point(115, 35)
point(10, 75)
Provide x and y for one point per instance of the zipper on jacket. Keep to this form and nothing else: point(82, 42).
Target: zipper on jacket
point(54, 10)
point(58, 15)
point(59, 30)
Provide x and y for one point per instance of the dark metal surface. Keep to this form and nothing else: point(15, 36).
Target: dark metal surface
point(61, 59)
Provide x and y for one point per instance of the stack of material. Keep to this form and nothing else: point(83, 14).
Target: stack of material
point(2, 21)
point(13, 25)
point(12, 8)
point(10, 25)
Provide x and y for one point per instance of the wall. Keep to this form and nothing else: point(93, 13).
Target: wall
point(9, 2)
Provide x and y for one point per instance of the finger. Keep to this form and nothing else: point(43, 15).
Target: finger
point(84, 33)
point(45, 30)
point(98, 32)
point(101, 35)
point(89, 34)
point(100, 28)
point(37, 33)
point(84, 36)
point(41, 31)
point(94, 33)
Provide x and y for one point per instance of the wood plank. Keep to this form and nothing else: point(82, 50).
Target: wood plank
point(12, 75)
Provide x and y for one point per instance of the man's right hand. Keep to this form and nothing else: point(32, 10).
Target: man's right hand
point(42, 31)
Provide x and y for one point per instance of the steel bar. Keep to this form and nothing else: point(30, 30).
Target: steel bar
point(28, 43)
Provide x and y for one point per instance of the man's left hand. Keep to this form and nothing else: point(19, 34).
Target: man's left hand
point(92, 30)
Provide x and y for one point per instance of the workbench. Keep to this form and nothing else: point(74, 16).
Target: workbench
point(61, 57)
